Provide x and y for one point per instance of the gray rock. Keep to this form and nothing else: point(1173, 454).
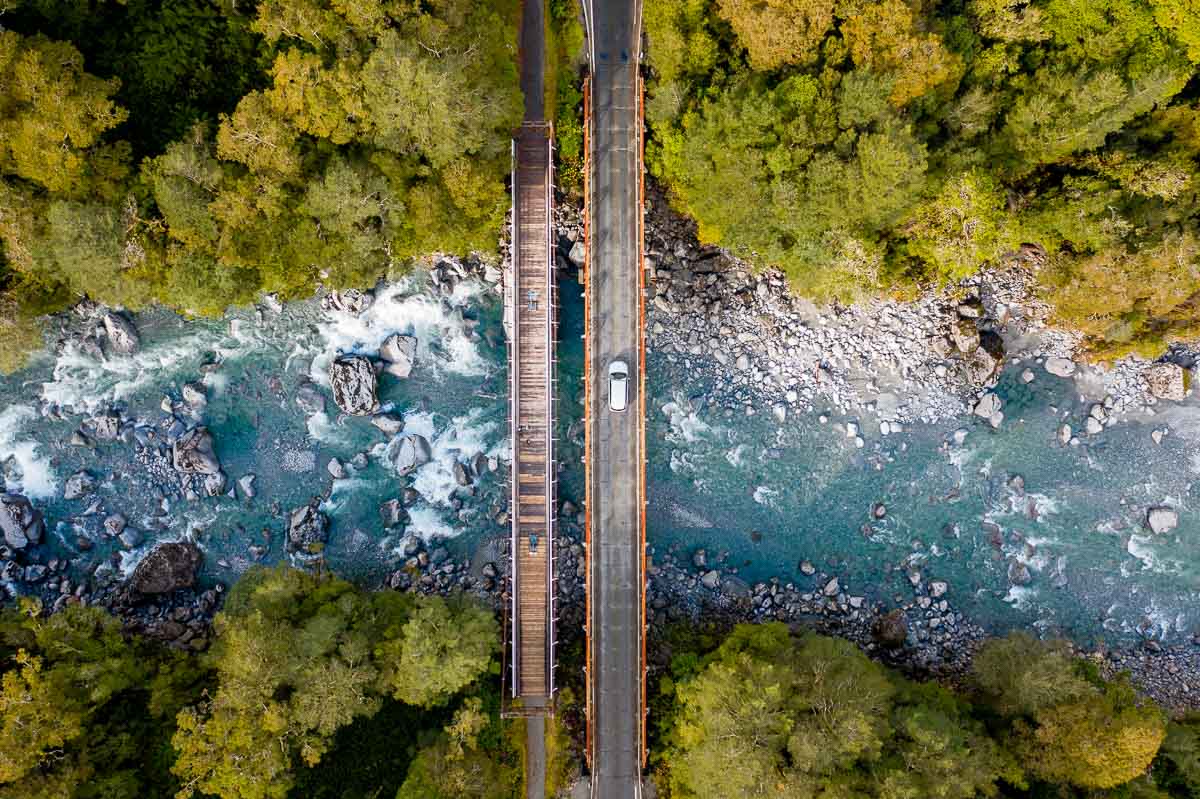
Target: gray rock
point(122, 335)
point(1093, 426)
point(308, 529)
point(938, 588)
point(832, 588)
point(106, 426)
point(392, 512)
point(1167, 381)
point(335, 468)
point(353, 381)
point(130, 538)
point(214, 484)
point(195, 395)
point(351, 301)
point(711, 580)
point(1027, 376)
point(79, 485)
point(35, 573)
point(400, 354)
point(1060, 367)
point(461, 475)
point(20, 521)
point(389, 423)
point(964, 335)
point(983, 365)
point(1162, 520)
point(414, 451)
point(167, 568)
point(700, 559)
point(1064, 434)
point(246, 484)
point(988, 405)
point(193, 453)
point(807, 568)
point(115, 524)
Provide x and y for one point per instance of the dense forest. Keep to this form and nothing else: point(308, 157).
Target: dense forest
point(197, 152)
point(771, 714)
point(311, 688)
point(868, 146)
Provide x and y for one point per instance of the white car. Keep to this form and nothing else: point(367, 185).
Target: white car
point(618, 386)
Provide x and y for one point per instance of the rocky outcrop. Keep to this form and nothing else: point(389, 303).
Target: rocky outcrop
point(167, 568)
point(1166, 381)
point(984, 364)
point(354, 385)
point(308, 529)
point(20, 521)
point(123, 337)
point(399, 353)
point(351, 301)
point(193, 453)
point(414, 451)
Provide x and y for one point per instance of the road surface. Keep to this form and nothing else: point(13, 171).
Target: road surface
point(614, 471)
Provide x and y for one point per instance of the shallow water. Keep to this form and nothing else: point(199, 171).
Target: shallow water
point(770, 494)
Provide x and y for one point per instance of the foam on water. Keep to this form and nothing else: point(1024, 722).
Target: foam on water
point(765, 496)
point(85, 384)
point(443, 343)
point(426, 522)
point(686, 425)
point(459, 441)
point(36, 479)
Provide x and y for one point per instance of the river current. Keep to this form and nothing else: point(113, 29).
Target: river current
point(1061, 548)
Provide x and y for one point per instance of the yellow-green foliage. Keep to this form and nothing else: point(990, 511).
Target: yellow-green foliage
point(863, 146)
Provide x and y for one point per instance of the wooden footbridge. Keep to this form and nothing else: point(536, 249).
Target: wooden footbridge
point(530, 308)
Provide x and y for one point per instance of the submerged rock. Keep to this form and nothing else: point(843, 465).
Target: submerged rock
point(392, 513)
point(167, 568)
point(193, 453)
point(1162, 520)
point(1166, 381)
point(79, 485)
point(246, 484)
point(353, 381)
point(310, 399)
point(890, 630)
point(123, 337)
point(308, 529)
point(400, 353)
point(1018, 573)
point(20, 521)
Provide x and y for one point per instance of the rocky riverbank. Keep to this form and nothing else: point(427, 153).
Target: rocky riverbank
point(879, 366)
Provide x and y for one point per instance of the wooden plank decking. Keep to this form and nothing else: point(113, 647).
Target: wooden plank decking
point(531, 297)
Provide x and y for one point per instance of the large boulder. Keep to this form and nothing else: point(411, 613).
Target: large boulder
point(193, 453)
point(353, 381)
point(1162, 520)
point(965, 335)
point(1167, 381)
point(400, 353)
point(414, 451)
point(167, 568)
point(984, 364)
point(308, 529)
point(19, 520)
point(123, 337)
point(1060, 367)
